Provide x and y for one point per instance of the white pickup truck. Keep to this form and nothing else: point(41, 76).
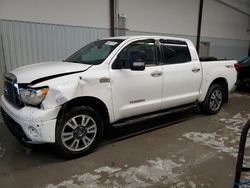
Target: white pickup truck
point(71, 103)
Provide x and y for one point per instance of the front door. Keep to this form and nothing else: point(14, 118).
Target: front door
point(136, 91)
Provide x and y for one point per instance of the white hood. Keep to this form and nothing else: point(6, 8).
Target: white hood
point(29, 73)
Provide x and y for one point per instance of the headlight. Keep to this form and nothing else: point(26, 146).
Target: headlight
point(33, 96)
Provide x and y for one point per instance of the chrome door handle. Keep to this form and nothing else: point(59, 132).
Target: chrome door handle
point(156, 73)
point(196, 69)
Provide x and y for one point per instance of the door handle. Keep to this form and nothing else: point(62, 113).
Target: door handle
point(156, 73)
point(196, 69)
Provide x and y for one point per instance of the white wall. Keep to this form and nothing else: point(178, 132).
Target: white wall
point(162, 16)
point(181, 17)
point(224, 28)
point(93, 13)
point(223, 22)
point(243, 5)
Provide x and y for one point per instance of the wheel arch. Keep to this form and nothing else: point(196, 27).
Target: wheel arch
point(223, 82)
point(89, 101)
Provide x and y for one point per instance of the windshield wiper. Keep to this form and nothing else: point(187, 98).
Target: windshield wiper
point(74, 61)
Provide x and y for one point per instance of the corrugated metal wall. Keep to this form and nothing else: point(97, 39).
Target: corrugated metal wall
point(26, 42)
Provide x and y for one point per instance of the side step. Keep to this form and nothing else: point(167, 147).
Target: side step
point(145, 117)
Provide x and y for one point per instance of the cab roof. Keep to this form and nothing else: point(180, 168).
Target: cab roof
point(145, 36)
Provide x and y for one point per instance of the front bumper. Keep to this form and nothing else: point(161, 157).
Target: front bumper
point(30, 124)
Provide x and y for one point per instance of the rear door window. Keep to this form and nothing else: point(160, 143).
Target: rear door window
point(175, 52)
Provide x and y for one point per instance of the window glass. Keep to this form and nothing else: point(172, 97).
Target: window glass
point(148, 47)
point(175, 53)
point(94, 53)
point(245, 61)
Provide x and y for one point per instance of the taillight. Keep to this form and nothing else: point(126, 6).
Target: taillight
point(237, 67)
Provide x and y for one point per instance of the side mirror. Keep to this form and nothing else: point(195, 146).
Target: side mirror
point(137, 60)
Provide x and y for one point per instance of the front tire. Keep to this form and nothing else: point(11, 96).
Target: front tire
point(78, 132)
point(214, 100)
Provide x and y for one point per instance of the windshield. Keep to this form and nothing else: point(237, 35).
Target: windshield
point(94, 53)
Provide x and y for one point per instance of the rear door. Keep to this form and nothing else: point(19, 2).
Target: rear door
point(137, 92)
point(181, 76)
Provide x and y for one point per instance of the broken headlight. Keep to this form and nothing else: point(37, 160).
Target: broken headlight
point(33, 96)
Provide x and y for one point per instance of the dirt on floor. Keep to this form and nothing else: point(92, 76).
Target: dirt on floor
point(181, 150)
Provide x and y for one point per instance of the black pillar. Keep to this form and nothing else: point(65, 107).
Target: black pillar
point(249, 50)
point(199, 27)
point(112, 18)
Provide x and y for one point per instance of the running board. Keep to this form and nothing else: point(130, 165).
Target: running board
point(145, 117)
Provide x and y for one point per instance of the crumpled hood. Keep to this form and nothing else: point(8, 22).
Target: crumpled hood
point(30, 73)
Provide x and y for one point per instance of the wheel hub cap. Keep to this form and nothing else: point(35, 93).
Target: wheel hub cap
point(79, 132)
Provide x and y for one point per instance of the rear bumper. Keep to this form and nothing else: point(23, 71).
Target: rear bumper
point(30, 124)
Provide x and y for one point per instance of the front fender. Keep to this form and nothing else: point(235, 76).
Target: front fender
point(64, 89)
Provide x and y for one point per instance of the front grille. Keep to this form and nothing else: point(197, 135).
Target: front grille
point(11, 90)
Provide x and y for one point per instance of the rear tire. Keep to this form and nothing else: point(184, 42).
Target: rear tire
point(214, 100)
point(78, 132)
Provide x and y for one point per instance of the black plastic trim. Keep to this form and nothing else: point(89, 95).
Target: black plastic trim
point(152, 115)
point(15, 129)
point(169, 41)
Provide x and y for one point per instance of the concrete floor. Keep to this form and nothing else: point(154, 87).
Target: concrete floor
point(197, 151)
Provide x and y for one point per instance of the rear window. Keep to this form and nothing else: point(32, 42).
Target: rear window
point(175, 52)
